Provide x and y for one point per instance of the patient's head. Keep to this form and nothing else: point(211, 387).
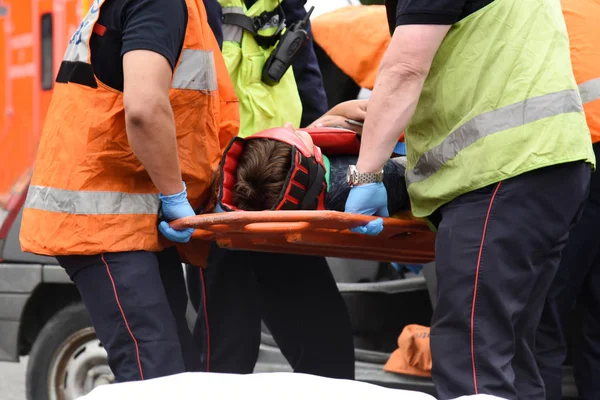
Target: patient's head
point(262, 170)
point(261, 173)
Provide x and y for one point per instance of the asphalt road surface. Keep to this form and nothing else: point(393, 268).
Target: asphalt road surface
point(12, 380)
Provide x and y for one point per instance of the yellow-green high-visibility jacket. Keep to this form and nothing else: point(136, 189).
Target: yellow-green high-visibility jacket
point(261, 106)
point(500, 100)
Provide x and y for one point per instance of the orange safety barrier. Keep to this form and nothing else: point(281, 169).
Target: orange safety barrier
point(318, 233)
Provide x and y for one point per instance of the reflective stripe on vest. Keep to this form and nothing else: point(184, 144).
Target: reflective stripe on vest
point(196, 71)
point(590, 90)
point(91, 202)
point(486, 124)
point(233, 33)
point(498, 120)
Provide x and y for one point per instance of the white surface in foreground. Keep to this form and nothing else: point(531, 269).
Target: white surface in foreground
point(263, 386)
point(269, 386)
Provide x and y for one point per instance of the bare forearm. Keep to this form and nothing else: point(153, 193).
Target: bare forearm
point(152, 138)
point(391, 106)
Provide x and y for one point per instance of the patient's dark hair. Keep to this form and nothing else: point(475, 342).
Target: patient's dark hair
point(261, 172)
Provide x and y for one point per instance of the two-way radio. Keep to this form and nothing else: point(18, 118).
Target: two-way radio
point(286, 49)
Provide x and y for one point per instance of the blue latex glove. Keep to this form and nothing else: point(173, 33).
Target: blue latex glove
point(369, 199)
point(414, 268)
point(400, 149)
point(176, 206)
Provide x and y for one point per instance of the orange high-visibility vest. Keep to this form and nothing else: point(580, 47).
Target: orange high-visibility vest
point(583, 25)
point(356, 37)
point(89, 193)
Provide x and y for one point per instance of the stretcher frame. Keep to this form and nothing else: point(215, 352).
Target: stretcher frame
point(317, 233)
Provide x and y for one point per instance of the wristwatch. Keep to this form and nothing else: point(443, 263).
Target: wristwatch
point(358, 178)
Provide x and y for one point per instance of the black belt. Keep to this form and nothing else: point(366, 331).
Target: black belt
point(254, 24)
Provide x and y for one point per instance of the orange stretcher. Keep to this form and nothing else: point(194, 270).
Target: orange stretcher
point(318, 233)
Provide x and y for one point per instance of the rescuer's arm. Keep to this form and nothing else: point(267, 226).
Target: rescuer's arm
point(398, 86)
point(152, 37)
point(149, 118)
point(421, 26)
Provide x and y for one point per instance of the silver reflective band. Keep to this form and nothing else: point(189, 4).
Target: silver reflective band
point(590, 90)
point(233, 33)
point(90, 203)
point(79, 44)
point(233, 10)
point(196, 71)
point(515, 115)
point(3, 215)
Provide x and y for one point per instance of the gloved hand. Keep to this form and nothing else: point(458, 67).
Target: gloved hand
point(369, 199)
point(176, 206)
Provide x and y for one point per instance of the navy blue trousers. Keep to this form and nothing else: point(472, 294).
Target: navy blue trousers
point(297, 298)
point(137, 303)
point(576, 288)
point(497, 251)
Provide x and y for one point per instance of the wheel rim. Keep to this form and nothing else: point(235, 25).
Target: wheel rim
point(78, 366)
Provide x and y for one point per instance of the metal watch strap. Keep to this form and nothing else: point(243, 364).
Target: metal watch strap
point(358, 178)
point(368, 178)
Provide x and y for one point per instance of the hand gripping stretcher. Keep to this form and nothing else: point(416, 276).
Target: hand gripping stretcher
point(289, 227)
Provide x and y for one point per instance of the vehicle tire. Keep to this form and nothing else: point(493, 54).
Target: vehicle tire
point(67, 360)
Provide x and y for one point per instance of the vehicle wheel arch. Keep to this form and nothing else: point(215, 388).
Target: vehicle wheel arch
point(45, 301)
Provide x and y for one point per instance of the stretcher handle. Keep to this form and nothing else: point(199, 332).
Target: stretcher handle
point(291, 221)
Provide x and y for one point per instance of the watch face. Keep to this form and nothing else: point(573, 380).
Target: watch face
point(351, 175)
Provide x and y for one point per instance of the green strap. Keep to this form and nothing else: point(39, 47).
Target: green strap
point(327, 168)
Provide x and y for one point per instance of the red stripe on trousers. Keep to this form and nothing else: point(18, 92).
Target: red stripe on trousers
point(487, 218)
point(137, 348)
point(206, 322)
